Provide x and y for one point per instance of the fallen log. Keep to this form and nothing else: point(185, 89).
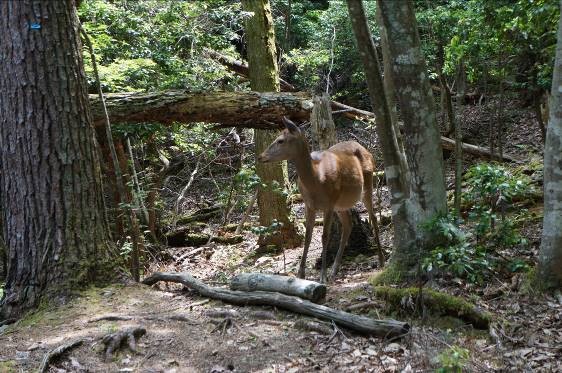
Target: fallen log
point(478, 151)
point(261, 110)
point(201, 215)
point(305, 289)
point(243, 109)
point(362, 324)
point(184, 238)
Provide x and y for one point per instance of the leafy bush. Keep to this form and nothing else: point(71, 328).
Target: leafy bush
point(463, 249)
point(491, 189)
point(453, 360)
point(455, 254)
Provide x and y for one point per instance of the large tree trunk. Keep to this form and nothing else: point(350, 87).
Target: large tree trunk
point(395, 166)
point(50, 186)
point(264, 77)
point(422, 138)
point(550, 255)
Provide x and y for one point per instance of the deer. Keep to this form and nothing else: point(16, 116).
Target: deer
point(330, 181)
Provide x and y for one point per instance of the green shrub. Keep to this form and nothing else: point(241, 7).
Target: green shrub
point(453, 360)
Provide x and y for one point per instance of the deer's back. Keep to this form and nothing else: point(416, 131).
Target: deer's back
point(340, 171)
point(353, 148)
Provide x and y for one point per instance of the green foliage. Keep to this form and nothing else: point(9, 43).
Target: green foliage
point(314, 32)
point(138, 130)
point(455, 254)
point(263, 231)
point(496, 40)
point(126, 249)
point(453, 360)
point(159, 44)
point(463, 249)
point(490, 183)
point(196, 139)
point(491, 189)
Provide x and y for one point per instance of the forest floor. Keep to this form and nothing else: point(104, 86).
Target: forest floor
point(188, 333)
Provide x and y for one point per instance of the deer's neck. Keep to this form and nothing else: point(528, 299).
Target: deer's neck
point(303, 164)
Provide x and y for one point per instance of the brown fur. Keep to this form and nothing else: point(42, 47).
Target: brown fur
point(330, 181)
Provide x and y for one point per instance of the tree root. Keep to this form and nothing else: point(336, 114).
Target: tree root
point(56, 352)
point(127, 337)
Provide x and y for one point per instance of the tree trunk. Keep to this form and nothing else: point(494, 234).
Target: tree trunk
point(395, 165)
point(264, 77)
point(50, 186)
point(550, 254)
point(422, 138)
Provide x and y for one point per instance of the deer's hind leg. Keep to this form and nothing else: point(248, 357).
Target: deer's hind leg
point(368, 201)
point(345, 219)
point(310, 216)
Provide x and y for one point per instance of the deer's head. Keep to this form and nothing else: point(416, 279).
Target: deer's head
point(286, 146)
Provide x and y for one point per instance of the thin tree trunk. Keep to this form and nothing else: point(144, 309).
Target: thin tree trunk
point(456, 123)
point(264, 77)
point(550, 254)
point(396, 169)
point(50, 186)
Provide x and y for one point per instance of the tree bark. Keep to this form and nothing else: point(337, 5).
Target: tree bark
point(311, 290)
point(264, 77)
point(422, 138)
point(253, 109)
point(550, 254)
point(50, 185)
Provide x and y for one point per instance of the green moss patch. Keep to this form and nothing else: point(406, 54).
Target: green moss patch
point(435, 302)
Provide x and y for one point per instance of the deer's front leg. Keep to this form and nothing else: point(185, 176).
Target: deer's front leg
point(310, 216)
point(328, 214)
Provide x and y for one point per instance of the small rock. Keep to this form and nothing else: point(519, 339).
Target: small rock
point(75, 364)
point(34, 347)
point(264, 260)
point(22, 355)
point(393, 347)
point(407, 369)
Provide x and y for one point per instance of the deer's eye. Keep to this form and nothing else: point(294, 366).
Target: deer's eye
point(281, 141)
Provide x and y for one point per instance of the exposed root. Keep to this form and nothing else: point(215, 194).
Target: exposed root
point(127, 337)
point(55, 353)
point(111, 318)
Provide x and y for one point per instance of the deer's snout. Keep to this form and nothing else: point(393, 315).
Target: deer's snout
point(263, 157)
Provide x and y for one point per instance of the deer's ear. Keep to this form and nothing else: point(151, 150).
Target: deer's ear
point(290, 125)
